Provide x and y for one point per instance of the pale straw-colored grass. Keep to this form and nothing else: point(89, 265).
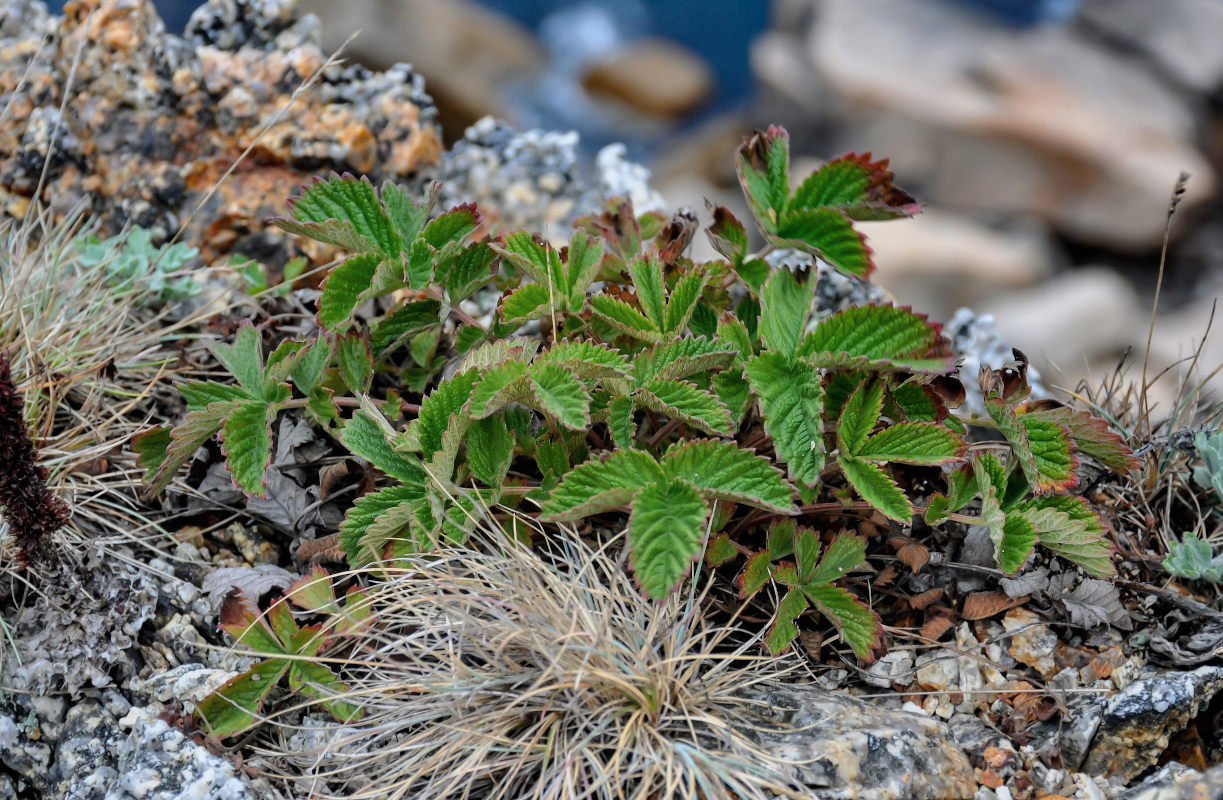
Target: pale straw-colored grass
point(536, 673)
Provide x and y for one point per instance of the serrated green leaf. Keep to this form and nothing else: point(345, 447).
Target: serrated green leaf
point(860, 626)
point(860, 188)
point(243, 358)
point(588, 360)
point(1068, 527)
point(992, 514)
point(199, 394)
point(308, 369)
point(423, 347)
point(531, 254)
point(651, 291)
point(725, 471)
point(316, 680)
point(620, 421)
point(1016, 434)
point(562, 395)
point(918, 403)
point(346, 285)
point(470, 271)
point(859, 415)
point(452, 226)
point(499, 387)
point(784, 305)
point(358, 220)
point(681, 400)
point(234, 706)
point(756, 573)
point(914, 443)
point(874, 332)
point(366, 439)
point(792, 404)
point(783, 630)
point(763, 164)
point(444, 402)
point(754, 272)
point(152, 449)
point(938, 509)
point(467, 337)
point(990, 474)
point(704, 321)
point(720, 550)
point(733, 333)
point(735, 394)
point(599, 485)
point(727, 234)
point(188, 437)
point(502, 351)
point(365, 512)
point(827, 234)
point(877, 488)
point(1093, 437)
point(355, 360)
point(624, 317)
point(1053, 450)
point(585, 255)
point(846, 552)
point(1017, 543)
point(406, 215)
point(422, 264)
point(283, 359)
point(527, 302)
point(681, 359)
point(246, 439)
point(666, 532)
point(747, 311)
point(683, 302)
point(553, 461)
point(401, 323)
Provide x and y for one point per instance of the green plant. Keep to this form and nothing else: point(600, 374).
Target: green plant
point(129, 259)
point(1209, 474)
point(603, 411)
point(293, 650)
point(1194, 559)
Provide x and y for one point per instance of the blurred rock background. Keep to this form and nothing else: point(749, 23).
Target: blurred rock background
point(1044, 136)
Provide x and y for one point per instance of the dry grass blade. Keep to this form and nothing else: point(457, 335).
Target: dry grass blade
point(521, 674)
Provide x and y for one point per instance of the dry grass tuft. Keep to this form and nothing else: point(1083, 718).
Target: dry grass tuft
point(86, 358)
point(521, 674)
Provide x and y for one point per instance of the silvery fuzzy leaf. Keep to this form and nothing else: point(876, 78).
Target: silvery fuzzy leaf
point(1096, 602)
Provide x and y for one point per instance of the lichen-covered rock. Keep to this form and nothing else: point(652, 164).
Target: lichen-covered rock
point(533, 179)
point(845, 748)
point(1175, 781)
point(81, 634)
point(1137, 723)
point(152, 121)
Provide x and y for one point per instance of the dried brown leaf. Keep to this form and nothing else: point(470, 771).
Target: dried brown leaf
point(911, 553)
point(983, 605)
point(926, 598)
point(935, 627)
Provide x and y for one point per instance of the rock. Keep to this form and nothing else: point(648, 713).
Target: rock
point(1036, 121)
point(652, 76)
point(895, 667)
point(846, 748)
point(941, 260)
point(467, 51)
point(1032, 642)
point(156, 120)
point(80, 630)
point(1083, 313)
point(532, 179)
point(1175, 781)
point(1137, 723)
point(1181, 36)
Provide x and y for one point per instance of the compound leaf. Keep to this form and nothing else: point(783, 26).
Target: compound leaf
point(529, 301)
point(828, 234)
point(444, 402)
point(243, 358)
point(246, 439)
point(1053, 450)
point(859, 415)
point(859, 625)
point(858, 187)
point(874, 332)
point(344, 288)
point(624, 317)
point(681, 359)
point(763, 164)
point(343, 211)
point(366, 439)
